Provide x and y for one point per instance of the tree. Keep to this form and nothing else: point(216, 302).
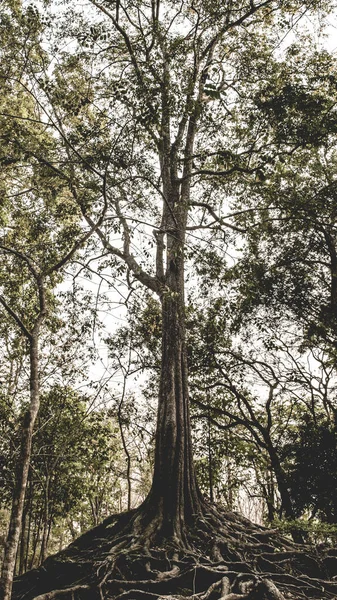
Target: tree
point(288, 267)
point(39, 235)
point(76, 456)
point(311, 460)
point(168, 86)
point(145, 112)
point(261, 383)
point(246, 392)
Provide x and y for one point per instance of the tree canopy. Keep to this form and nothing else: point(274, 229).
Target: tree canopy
point(177, 161)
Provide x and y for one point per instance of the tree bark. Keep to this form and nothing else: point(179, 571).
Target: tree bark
point(29, 526)
point(174, 489)
point(20, 568)
point(46, 523)
point(14, 532)
point(174, 493)
point(210, 461)
point(286, 503)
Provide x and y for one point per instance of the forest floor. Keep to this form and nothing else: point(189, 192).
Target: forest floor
point(236, 560)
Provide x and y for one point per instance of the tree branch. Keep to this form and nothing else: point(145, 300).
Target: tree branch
point(230, 25)
point(141, 275)
point(216, 218)
point(23, 257)
point(85, 237)
point(16, 319)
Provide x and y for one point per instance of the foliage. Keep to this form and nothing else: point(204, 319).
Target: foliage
point(311, 459)
point(96, 113)
point(315, 532)
point(76, 469)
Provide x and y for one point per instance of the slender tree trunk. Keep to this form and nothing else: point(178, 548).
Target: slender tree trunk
point(72, 530)
point(23, 543)
point(13, 537)
point(210, 461)
point(36, 537)
point(61, 537)
point(270, 496)
point(125, 447)
point(93, 506)
point(286, 503)
point(230, 483)
point(44, 541)
point(50, 524)
point(29, 527)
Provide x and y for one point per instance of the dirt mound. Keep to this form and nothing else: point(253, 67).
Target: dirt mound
point(227, 557)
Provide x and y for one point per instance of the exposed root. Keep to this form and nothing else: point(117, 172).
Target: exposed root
point(228, 558)
point(62, 593)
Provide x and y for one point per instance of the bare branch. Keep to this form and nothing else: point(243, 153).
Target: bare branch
point(216, 218)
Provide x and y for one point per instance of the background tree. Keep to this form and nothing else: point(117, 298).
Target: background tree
point(288, 265)
point(311, 459)
point(39, 235)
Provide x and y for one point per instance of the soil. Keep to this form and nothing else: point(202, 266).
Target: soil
point(227, 558)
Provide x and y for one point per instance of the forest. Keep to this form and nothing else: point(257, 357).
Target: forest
point(168, 300)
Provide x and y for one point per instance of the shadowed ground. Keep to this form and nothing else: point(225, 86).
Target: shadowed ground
point(228, 557)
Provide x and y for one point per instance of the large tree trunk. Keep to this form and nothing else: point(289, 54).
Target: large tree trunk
point(174, 493)
point(15, 524)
